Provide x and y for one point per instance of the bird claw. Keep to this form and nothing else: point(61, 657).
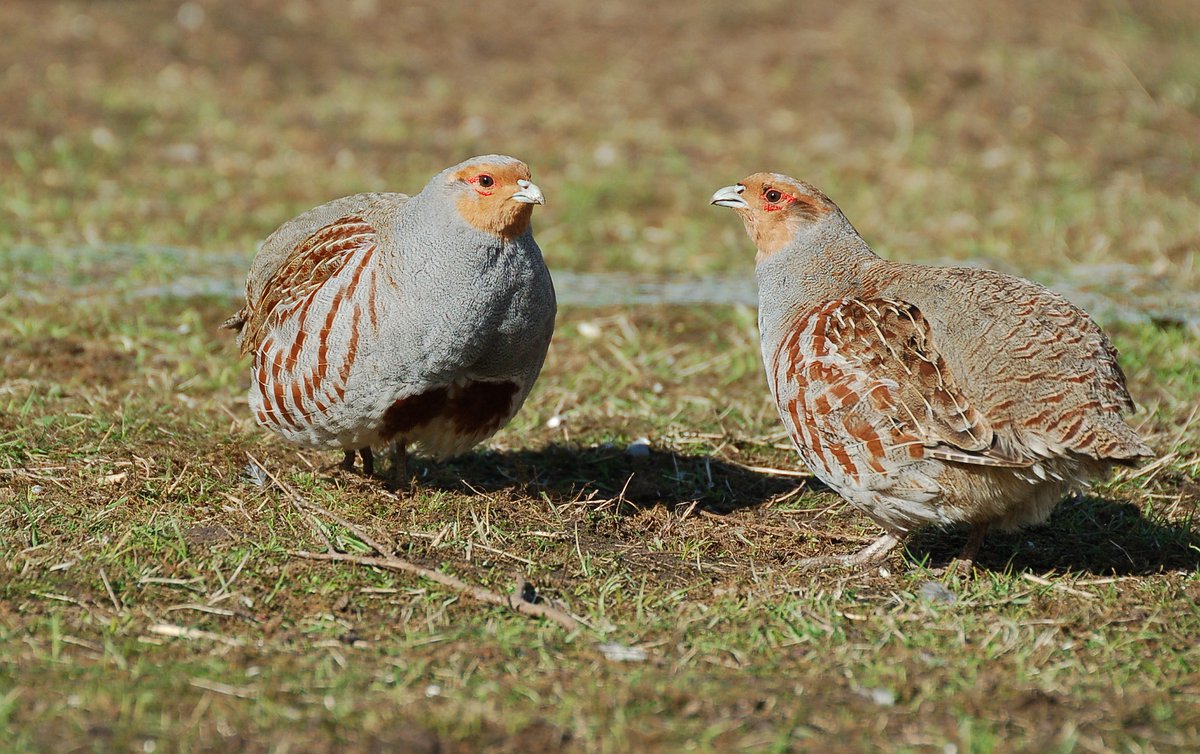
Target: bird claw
point(872, 554)
point(960, 566)
point(964, 563)
point(368, 461)
point(823, 561)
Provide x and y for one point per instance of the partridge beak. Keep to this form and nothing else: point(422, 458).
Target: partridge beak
point(529, 193)
point(730, 196)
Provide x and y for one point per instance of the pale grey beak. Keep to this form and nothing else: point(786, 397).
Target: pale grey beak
point(730, 196)
point(529, 193)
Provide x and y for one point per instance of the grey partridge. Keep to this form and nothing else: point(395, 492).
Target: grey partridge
point(419, 320)
point(921, 394)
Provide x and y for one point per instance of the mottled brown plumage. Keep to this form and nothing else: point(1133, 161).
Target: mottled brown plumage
point(926, 394)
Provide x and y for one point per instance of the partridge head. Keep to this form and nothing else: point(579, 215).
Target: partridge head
point(776, 209)
point(494, 195)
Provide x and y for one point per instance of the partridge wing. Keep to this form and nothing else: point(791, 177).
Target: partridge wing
point(305, 329)
point(312, 265)
point(289, 239)
point(863, 388)
point(1044, 372)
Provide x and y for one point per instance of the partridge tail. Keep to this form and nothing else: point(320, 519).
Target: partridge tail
point(236, 322)
point(1126, 449)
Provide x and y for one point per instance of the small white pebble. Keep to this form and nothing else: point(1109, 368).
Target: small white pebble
point(656, 388)
point(589, 330)
point(935, 592)
point(185, 153)
point(882, 697)
point(639, 448)
point(475, 126)
point(554, 422)
point(103, 139)
point(36, 489)
point(604, 154)
point(190, 16)
point(622, 653)
point(433, 690)
point(656, 235)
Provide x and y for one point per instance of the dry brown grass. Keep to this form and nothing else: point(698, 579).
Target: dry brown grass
point(1032, 134)
point(147, 597)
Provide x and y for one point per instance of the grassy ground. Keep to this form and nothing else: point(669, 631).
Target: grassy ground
point(148, 597)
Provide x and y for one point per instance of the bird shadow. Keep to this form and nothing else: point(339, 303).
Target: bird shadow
point(563, 473)
point(1089, 534)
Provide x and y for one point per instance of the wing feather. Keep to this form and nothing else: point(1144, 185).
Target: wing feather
point(868, 379)
point(316, 259)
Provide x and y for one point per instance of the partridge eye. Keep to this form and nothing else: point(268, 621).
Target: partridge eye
point(486, 181)
point(773, 195)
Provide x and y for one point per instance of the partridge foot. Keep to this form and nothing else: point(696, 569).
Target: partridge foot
point(368, 461)
point(869, 555)
point(964, 563)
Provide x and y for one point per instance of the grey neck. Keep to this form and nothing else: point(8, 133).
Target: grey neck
point(427, 217)
point(821, 263)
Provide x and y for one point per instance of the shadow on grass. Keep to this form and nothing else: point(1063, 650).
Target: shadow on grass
point(1090, 535)
point(564, 473)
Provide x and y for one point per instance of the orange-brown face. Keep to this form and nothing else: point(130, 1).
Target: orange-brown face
point(773, 207)
point(497, 197)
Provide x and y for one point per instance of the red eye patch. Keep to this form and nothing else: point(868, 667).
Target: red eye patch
point(481, 191)
point(784, 200)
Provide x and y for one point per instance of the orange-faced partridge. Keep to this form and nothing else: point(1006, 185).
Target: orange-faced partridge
point(413, 320)
point(926, 395)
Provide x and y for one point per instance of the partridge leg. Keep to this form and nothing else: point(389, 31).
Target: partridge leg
point(965, 562)
point(399, 454)
point(869, 555)
point(348, 460)
point(368, 459)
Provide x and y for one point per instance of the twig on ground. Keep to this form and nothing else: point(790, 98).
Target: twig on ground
point(389, 561)
point(298, 503)
point(1055, 585)
point(513, 602)
point(184, 632)
point(498, 551)
point(111, 594)
point(204, 609)
point(769, 470)
point(222, 688)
